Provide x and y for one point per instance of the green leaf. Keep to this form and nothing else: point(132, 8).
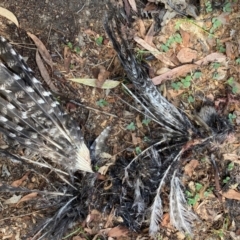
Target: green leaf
point(197, 74)
point(208, 191)
point(99, 40)
point(221, 49)
point(230, 81)
point(178, 38)
point(215, 75)
point(234, 89)
point(191, 99)
point(238, 60)
point(193, 201)
point(188, 194)
point(146, 121)
point(231, 117)
point(138, 150)
point(186, 84)
point(227, 7)
point(164, 48)
point(208, 7)
point(70, 45)
point(77, 49)
point(216, 65)
point(102, 103)
point(226, 180)
point(146, 139)
point(131, 126)
point(198, 186)
point(188, 78)
point(176, 85)
point(230, 166)
point(177, 25)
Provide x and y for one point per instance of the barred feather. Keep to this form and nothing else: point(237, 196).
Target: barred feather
point(30, 115)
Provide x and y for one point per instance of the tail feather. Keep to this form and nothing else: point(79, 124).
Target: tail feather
point(34, 118)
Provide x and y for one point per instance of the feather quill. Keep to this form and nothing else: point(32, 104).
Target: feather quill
point(156, 209)
point(180, 216)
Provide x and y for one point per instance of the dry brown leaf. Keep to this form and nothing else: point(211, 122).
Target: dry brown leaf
point(138, 122)
point(28, 197)
point(19, 182)
point(88, 230)
point(93, 216)
point(118, 231)
point(127, 7)
point(104, 231)
point(102, 76)
point(135, 140)
point(67, 58)
point(210, 96)
point(44, 73)
point(110, 218)
point(231, 194)
point(230, 51)
point(173, 93)
point(42, 49)
point(133, 5)
point(105, 155)
point(174, 73)
point(213, 57)
point(162, 70)
point(185, 38)
point(78, 238)
point(183, 70)
point(149, 36)
point(190, 167)
point(103, 170)
point(166, 220)
point(205, 212)
point(232, 157)
point(9, 15)
point(180, 236)
point(186, 55)
point(159, 55)
point(90, 32)
point(104, 124)
point(221, 73)
point(223, 18)
point(141, 26)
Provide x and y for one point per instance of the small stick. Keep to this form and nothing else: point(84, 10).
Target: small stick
point(94, 109)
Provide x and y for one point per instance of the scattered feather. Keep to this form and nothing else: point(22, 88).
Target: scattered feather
point(180, 216)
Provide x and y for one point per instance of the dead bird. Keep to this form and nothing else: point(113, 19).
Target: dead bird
point(32, 118)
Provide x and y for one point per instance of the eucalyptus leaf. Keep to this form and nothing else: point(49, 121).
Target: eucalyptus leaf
point(92, 82)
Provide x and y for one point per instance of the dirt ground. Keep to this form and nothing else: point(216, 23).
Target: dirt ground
point(75, 28)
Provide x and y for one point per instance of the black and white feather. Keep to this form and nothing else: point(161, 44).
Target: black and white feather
point(157, 167)
point(30, 115)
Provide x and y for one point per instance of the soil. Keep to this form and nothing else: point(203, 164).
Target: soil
point(78, 24)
